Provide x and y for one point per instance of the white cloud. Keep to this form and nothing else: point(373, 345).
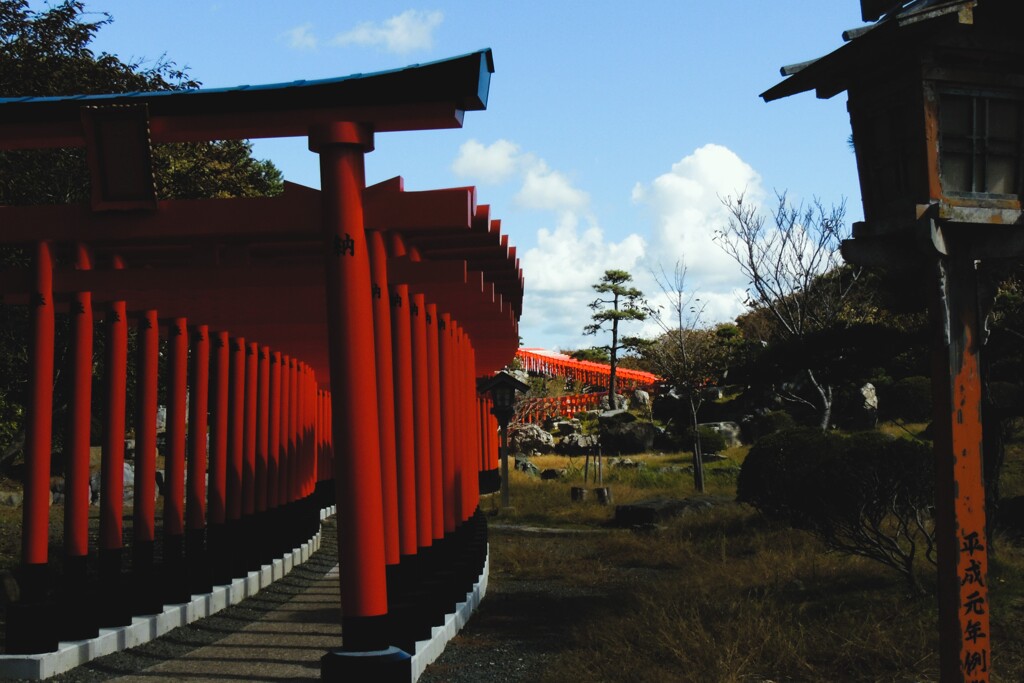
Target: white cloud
point(687, 207)
point(542, 189)
point(411, 30)
point(560, 272)
point(301, 37)
point(550, 190)
point(487, 164)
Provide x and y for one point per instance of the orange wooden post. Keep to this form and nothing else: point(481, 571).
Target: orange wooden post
point(285, 449)
point(385, 394)
point(236, 438)
point(434, 411)
point(262, 432)
point(247, 554)
point(28, 629)
point(220, 428)
point(195, 493)
point(273, 543)
point(294, 448)
point(353, 380)
point(405, 434)
point(472, 440)
point(464, 466)
point(80, 619)
point(274, 430)
point(421, 401)
point(176, 589)
point(961, 539)
point(448, 420)
point(113, 607)
point(146, 597)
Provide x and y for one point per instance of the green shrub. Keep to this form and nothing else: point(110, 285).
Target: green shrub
point(868, 494)
point(710, 440)
point(767, 423)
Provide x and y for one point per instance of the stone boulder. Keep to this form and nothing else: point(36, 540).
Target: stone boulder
point(529, 439)
point(567, 427)
point(627, 438)
point(609, 417)
point(577, 444)
point(128, 474)
point(865, 416)
point(621, 402)
point(730, 431)
point(11, 498)
point(641, 399)
point(523, 464)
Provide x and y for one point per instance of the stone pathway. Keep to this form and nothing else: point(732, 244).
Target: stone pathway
point(285, 644)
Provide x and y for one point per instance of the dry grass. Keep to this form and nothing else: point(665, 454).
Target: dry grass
point(723, 595)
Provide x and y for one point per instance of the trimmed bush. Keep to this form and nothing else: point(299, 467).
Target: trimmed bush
point(710, 440)
point(758, 426)
point(868, 494)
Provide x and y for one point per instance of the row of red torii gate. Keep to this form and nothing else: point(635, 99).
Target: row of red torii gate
point(583, 374)
point(329, 343)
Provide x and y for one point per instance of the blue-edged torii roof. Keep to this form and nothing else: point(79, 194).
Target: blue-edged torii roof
point(417, 97)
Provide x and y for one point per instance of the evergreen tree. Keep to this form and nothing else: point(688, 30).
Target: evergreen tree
point(622, 303)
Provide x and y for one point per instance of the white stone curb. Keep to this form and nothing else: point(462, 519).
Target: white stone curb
point(429, 650)
point(143, 629)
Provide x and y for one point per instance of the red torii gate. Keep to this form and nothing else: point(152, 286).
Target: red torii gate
point(589, 372)
point(290, 291)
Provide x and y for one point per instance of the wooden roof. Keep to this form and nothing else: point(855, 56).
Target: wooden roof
point(875, 45)
point(417, 97)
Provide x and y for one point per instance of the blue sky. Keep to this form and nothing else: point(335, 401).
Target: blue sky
point(612, 129)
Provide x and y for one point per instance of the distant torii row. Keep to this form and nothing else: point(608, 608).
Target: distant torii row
point(546, 362)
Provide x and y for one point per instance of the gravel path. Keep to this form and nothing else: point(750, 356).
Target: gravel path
point(518, 629)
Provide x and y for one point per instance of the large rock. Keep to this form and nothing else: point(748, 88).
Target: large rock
point(616, 417)
point(577, 444)
point(530, 439)
point(567, 427)
point(621, 402)
point(867, 416)
point(730, 431)
point(128, 474)
point(523, 464)
point(641, 399)
point(627, 438)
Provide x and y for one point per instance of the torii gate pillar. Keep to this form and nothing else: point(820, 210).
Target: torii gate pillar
point(366, 651)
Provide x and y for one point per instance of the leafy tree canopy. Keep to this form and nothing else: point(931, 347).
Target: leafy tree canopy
point(47, 54)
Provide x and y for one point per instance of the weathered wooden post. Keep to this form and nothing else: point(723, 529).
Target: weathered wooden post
point(937, 113)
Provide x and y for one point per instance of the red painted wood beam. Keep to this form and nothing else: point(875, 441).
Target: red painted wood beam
point(293, 215)
point(388, 207)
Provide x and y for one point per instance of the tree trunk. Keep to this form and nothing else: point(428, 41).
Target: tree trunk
point(612, 403)
point(825, 394)
point(698, 454)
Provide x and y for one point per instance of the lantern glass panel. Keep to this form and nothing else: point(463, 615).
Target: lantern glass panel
point(980, 144)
